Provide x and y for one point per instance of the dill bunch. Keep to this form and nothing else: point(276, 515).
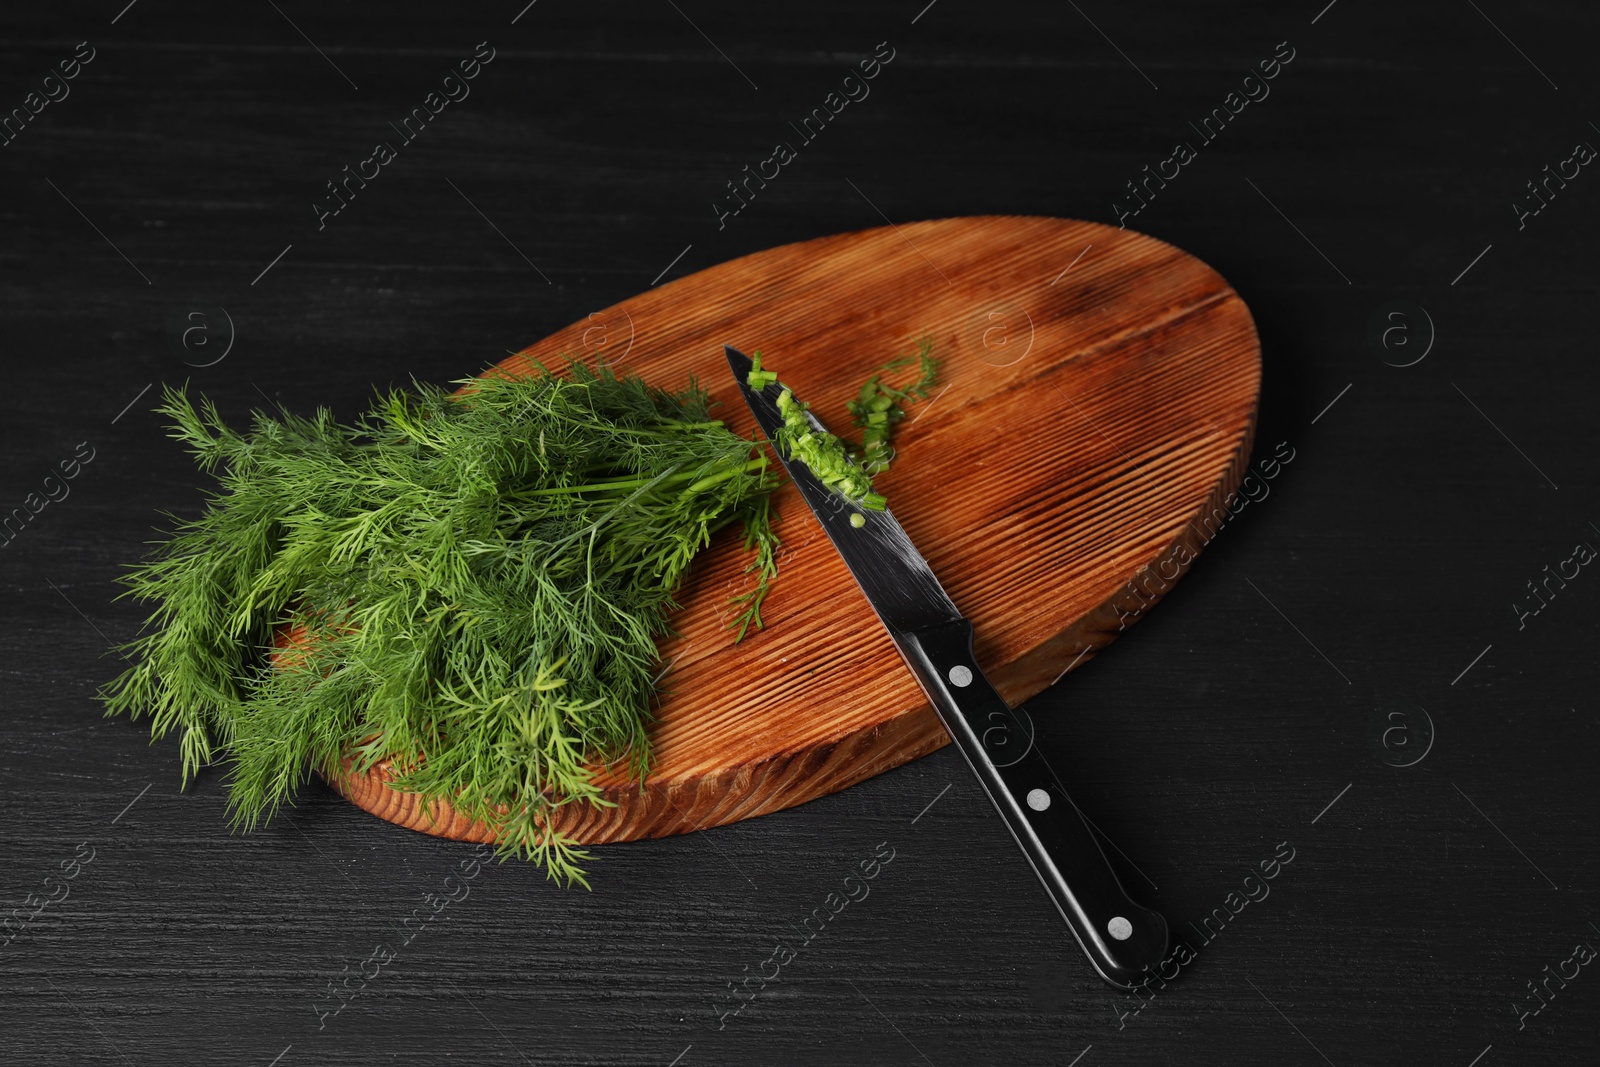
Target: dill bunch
point(476, 582)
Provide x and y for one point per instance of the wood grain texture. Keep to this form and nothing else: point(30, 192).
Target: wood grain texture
point(1099, 389)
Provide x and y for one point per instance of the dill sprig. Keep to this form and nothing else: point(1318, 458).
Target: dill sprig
point(475, 582)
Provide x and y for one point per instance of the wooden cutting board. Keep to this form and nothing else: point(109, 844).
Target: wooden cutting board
point(1094, 413)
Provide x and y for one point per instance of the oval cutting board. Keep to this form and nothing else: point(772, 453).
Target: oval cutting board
point(1094, 412)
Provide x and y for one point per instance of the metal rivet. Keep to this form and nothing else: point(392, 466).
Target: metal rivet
point(1120, 928)
point(960, 675)
point(1038, 799)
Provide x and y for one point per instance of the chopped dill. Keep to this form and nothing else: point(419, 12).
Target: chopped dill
point(878, 406)
point(875, 410)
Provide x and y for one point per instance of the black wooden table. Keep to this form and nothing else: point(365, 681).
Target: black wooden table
point(1376, 684)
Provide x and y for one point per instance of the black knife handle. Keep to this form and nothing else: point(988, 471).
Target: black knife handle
point(1125, 941)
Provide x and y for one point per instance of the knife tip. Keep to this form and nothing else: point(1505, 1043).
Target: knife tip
point(740, 362)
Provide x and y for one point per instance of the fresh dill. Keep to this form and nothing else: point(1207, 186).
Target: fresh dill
point(476, 582)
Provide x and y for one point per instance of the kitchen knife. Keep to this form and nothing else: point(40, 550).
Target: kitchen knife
point(1124, 941)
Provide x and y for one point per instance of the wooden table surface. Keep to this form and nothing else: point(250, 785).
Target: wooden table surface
point(1377, 683)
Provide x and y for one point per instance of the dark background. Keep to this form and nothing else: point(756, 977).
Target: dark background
point(1378, 577)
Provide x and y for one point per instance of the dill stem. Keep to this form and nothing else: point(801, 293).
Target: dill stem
point(634, 483)
point(758, 463)
point(667, 422)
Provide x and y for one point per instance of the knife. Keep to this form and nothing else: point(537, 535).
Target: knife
point(1122, 939)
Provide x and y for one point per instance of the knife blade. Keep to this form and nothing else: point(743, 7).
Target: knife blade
point(1124, 941)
